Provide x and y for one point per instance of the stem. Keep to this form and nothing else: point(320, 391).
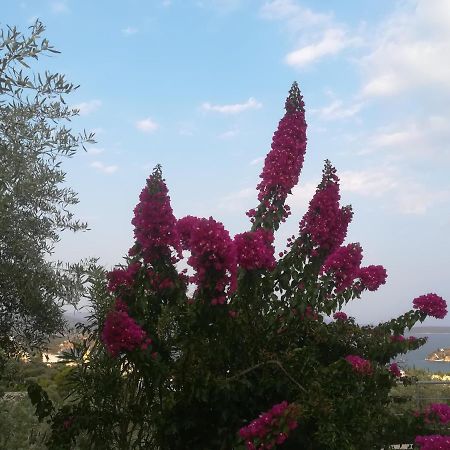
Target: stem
point(271, 361)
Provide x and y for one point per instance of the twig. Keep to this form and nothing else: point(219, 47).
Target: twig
point(271, 361)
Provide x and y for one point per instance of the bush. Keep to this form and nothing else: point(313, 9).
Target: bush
point(258, 354)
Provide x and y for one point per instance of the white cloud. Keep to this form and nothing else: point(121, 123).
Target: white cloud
point(395, 138)
point(428, 138)
point(297, 16)
point(318, 34)
point(235, 108)
point(302, 195)
point(31, 20)
point(333, 41)
point(109, 170)
point(230, 134)
point(336, 110)
point(411, 50)
point(257, 161)
point(186, 129)
point(166, 3)
point(89, 107)
point(399, 192)
point(128, 31)
point(147, 125)
point(95, 151)
point(371, 183)
point(239, 201)
point(59, 7)
point(222, 6)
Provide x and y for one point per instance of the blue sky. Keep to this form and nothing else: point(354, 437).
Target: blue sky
point(199, 87)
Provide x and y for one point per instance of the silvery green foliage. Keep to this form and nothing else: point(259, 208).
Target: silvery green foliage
point(35, 204)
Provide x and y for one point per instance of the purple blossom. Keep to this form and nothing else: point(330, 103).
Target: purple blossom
point(340, 316)
point(325, 223)
point(154, 223)
point(372, 277)
point(213, 256)
point(255, 249)
point(433, 442)
point(432, 305)
point(360, 365)
point(343, 265)
point(121, 332)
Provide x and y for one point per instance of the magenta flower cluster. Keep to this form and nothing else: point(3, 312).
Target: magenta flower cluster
point(120, 277)
point(343, 265)
point(432, 305)
point(213, 256)
point(372, 277)
point(266, 432)
point(154, 223)
point(121, 333)
point(433, 442)
point(397, 338)
point(395, 370)
point(284, 162)
point(325, 223)
point(340, 316)
point(360, 365)
point(255, 249)
point(439, 411)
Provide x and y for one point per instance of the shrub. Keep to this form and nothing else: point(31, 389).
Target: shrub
point(249, 357)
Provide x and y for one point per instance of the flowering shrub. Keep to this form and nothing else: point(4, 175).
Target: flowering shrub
point(433, 442)
point(439, 411)
point(176, 362)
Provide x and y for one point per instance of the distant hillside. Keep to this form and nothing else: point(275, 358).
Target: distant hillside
point(430, 330)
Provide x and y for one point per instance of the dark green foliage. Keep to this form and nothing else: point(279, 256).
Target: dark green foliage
point(34, 202)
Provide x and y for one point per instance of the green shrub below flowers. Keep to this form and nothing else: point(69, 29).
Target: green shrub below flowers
point(234, 347)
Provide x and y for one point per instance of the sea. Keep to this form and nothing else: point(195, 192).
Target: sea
point(438, 337)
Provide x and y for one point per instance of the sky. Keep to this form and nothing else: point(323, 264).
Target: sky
point(199, 87)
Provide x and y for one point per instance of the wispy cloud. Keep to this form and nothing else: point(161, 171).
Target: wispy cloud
point(238, 201)
point(410, 50)
point(147, 125)
point(88, 107)
point(333, 41)
point(257, 161)
point(302, 195)
point(229, 134)
point(221, 6)
point(425, 139)
point(318, 34)
point(186, 129)
point(59, 7)
point(166, 3)
point(92, 151)
point(297, 16)
point(337, 110)
point(128, 31)
point(109, 170)
point(234, 108)
point(400, 193)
